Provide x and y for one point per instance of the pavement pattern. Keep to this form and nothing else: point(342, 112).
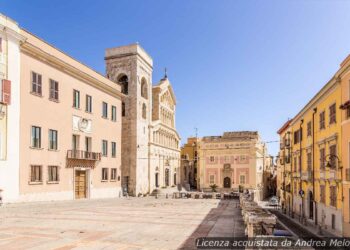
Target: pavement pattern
point(132, 223)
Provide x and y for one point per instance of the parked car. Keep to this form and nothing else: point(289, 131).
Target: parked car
point(273, 201)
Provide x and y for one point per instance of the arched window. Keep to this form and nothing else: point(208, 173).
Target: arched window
point(124, 83)
point(144, 111)
point(144, 88)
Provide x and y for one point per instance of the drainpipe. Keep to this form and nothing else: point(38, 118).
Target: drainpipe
point(313, 165)
point(300, 167)
point(291, 178)
point(284, 176)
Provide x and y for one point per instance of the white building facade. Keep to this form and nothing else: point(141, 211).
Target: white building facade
point(150, 143)
point(10, 39)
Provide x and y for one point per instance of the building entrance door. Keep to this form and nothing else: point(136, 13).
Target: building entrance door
point(167, 177)
point(80, 184)
point(311, 206)
point(157, 184)
point(227, 182)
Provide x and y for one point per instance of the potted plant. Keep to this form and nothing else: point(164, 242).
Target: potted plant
point(213, 187)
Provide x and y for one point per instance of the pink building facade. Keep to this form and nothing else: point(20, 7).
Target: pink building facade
point(231, 161)
point(60, 134)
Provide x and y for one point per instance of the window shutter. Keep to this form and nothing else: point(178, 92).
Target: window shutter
point(6, 92)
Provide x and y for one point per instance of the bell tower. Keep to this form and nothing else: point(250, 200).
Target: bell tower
point(131, 67)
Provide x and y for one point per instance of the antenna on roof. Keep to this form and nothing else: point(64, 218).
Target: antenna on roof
point(165, 74)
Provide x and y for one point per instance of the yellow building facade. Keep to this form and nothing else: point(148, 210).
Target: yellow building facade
point(317, 161)
point(284, 174)
point(189, 157)
point(344, 79)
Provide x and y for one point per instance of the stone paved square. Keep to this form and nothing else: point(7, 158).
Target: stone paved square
point(133, 223)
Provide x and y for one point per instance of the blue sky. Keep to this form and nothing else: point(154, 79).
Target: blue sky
point(234, 65)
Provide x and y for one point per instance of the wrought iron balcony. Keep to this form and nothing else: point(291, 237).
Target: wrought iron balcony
point(83, 155)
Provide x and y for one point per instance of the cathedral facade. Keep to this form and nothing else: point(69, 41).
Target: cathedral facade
point(150, 143)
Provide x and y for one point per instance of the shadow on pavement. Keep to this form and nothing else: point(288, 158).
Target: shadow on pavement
point(223, 221)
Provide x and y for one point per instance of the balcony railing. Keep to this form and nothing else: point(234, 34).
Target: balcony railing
point(83, 155)
point(322, 174)
point(334, 174)
point(296, 174)
point(306, 175)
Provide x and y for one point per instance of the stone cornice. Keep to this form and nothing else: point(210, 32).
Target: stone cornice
point(128, 55)
point(159, 145)
point(41, 55)
point(16, 35)
point(326, 89)
point(159, 124)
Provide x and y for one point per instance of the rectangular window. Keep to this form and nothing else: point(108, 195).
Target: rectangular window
point(212, 179)
point(243, 158)
point(36, 83)
point(322, 158)
point(114, 149)
point(113, 174)
point(75, 142)
point(333, 155)
point(104, 148)
point(322, 120)
point(104, 110)
point(76, 99)
point(309, 129)
point(322, 194)
point(105, 174)
point(88, 104)
point(295, 164)
point(333, 196)
point(36, 173)
point(309, 161)
point(88, 144)
point(212, 158)
point(114, 113)
point(295, 189)
point(242, 179)
point(332, 114)
point(298, 136)
point(53, 139)
point(53, 173)
point(348, 112)
point(53, 90)
point(36, 137)
point(226, 158)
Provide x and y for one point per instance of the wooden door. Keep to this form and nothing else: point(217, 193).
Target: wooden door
point(80, 184)
point(227, 182)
